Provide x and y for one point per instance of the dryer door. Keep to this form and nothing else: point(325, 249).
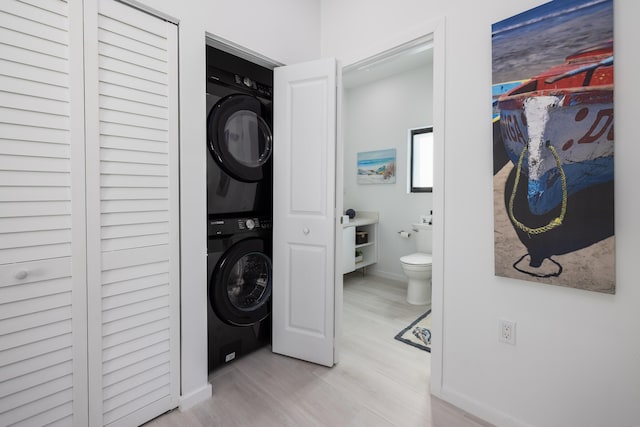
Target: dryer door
point(240, 137)
point(240, 285)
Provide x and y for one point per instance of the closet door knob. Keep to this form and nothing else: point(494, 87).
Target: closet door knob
point(21, 274)
point(305, 230)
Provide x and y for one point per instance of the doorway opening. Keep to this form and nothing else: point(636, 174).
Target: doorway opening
point(384, 97)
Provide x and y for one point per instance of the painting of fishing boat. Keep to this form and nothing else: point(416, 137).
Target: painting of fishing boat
point(553, 145)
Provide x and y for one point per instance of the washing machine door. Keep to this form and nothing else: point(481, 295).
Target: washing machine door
point(240, 284)
point(240, 138)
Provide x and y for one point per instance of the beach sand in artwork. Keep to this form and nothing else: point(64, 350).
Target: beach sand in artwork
point(591, 268)
point(375, 179)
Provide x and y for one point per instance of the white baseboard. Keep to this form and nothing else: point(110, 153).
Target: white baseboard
point(189, 400)
point(478, 409)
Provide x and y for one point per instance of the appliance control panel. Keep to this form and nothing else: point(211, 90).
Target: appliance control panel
point(263, 90)
point(218, 227)
point(239, 82)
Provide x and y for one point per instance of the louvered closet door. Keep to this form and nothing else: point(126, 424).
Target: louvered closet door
point(43, 356)
point(132, 205)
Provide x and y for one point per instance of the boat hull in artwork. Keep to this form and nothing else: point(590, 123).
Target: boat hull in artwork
point(576, 123)
point(557, 127)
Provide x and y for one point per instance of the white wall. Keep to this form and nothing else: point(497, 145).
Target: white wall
point(286, 31)
point(576, 362)
point(377, 116)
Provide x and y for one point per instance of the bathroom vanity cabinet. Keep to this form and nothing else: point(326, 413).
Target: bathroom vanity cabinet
point(359, 251)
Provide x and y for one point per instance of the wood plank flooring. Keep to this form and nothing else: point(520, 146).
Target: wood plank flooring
point(378, 382)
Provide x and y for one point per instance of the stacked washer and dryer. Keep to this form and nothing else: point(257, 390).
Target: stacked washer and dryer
point(239, 206)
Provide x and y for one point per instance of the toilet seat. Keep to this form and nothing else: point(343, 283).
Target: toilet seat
point(417, 259)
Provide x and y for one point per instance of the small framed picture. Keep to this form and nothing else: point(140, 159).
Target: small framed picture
point(377, 167)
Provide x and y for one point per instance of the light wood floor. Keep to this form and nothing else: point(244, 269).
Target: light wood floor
point(378, 382)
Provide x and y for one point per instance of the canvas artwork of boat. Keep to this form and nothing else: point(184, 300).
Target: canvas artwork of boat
point(557, 127)
point(553, 145)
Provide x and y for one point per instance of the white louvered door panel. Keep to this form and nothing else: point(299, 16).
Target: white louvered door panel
point(132, 205)
point(43, 354)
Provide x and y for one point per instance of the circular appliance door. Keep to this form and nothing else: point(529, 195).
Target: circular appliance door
point(240, 286)
point(240, 139)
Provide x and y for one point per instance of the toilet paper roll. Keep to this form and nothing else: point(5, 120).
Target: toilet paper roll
point(405, 234)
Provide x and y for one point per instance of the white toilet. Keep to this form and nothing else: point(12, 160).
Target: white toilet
point(417, 267)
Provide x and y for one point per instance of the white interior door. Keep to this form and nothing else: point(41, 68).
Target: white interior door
point(43, 372)
point(132, 213)
point(304, 218)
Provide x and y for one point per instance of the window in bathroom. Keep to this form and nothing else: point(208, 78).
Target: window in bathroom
point(421, 160)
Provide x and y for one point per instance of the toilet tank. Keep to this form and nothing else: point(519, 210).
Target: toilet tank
point(423, 237)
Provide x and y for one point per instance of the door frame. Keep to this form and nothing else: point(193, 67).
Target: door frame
point(240, 51)
point(259, 59)
point(434, 30)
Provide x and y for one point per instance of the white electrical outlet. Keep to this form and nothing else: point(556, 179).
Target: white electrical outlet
point(507, 331)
